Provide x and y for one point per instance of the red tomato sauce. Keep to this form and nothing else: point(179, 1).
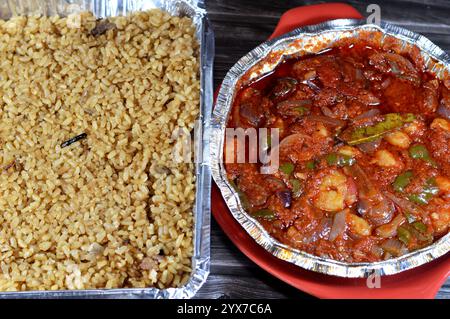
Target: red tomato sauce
point(364, 154)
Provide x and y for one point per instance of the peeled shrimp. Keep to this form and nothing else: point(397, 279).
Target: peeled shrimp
point(399, 139)
point(335, 192)
point(442, 124)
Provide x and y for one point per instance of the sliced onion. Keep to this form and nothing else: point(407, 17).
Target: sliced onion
point(284, 87)
point(369, 99)
point(294, 103)
point(394, 247)
point(251, 115)
point(401, 60)
point(285, 197)
point(327, 120)
point(287, 142)
point(372, 205)
point(369, 147)
point(325, 227)
point(359, 74)
point(312, 86)
point(395, 68)
point(444, 111)
point(406, 205)
point(386, 83)
point(339, 225)
point(327, 112)
point(390, 230)
point(398, 65)
point(376, 209)
point(361, 179)
point(321, 231)
point(367, 115)
point(396, 61)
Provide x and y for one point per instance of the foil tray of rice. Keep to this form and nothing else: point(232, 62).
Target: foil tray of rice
point(356, 180)
point(93, 203)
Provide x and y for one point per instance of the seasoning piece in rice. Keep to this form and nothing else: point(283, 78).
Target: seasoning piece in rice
point(73, 140)
point(94, 216)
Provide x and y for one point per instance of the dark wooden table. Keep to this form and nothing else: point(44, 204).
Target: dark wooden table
point(241, 25)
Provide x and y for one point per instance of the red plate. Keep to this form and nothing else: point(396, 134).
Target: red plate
point(421, 282)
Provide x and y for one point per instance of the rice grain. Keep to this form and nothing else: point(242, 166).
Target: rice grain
point(96, 213)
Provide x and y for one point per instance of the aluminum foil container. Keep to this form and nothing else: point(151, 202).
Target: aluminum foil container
point(263, 60)
point(194, 9)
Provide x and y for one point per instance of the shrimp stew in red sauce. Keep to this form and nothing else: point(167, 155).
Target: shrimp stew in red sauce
point(364, 154)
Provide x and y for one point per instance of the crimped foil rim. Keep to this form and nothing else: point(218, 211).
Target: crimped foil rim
point(429, 50)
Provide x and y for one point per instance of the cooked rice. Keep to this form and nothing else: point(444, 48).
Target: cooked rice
point(111, 210)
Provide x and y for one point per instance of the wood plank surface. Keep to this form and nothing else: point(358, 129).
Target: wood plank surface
point(241, 25)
